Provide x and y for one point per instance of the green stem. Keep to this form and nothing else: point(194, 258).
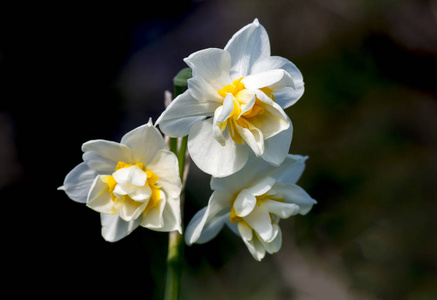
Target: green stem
point(176, 240)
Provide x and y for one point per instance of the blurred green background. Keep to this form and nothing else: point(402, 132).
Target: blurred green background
point(71, 73)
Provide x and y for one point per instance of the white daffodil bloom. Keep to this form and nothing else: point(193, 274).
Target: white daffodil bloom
point(234, 104)
point(252, 202)
point(132, 183)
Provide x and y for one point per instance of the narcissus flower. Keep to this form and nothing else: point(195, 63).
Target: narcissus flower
point(234, 104)
point(132, 183)
point(252, 202)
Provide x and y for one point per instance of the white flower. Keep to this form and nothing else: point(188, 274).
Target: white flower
point(132, 183)
point(234, 104)
point(252, 202)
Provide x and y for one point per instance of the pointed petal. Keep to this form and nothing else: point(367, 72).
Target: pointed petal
point(114, 228)
point(183, 112)
point(78, 182)
point(144, 141)
point(210, 156)
point(248, 45)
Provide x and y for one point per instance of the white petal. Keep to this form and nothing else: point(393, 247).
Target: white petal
point(226, 109)
point(275, 244)
point(212, 65)
point(144, 141)
point(210, 156)
point(259, 219)
point(276, 147)
point(99, 198)
point(274, 79)
point(282, 210)
point(244, 203)
point(245, 231)
point(141, 194)
point(129, 209)
point(114, 228)
point(183, 112)
point(256, 248)
point(290, 170)
point(153, 218)
point(122, 175)
point(287, 96)
point(216, 130)
point(295, 194)
point(261, 187)
point(165, 165)
point(253, 137)
point(137, 176)
point(78, 182)
point(172, 216)
point(207, 222)
point(250, 44)
point(103, 156)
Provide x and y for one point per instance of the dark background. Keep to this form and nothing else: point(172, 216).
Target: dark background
point(70, 73)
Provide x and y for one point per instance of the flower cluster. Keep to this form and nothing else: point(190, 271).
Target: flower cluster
point(238, 132)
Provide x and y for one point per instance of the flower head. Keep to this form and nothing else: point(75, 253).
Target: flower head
point(252, 202)
point(132, 183)
point(234, 103)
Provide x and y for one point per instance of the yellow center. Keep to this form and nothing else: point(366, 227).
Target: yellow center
point(236, 117)
point(152, 179)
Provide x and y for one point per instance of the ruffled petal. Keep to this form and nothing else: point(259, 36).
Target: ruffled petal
point(114, 228)
point(248, 45)
point(183, 112)
point(78, 182)
point(144, 141)
point(210, 156)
